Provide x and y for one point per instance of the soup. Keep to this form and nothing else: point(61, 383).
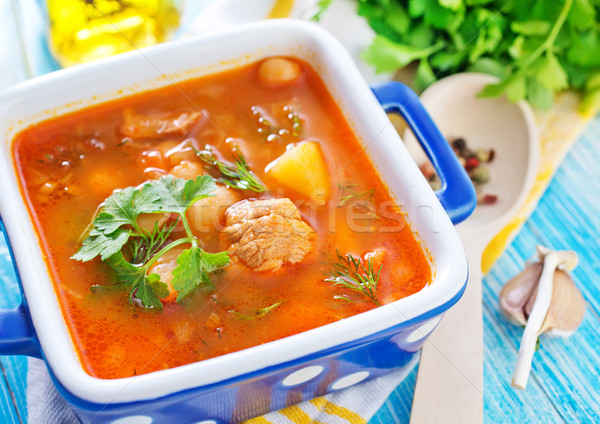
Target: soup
point(200, 219)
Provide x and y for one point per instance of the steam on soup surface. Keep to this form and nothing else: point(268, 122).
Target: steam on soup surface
point(192, 221)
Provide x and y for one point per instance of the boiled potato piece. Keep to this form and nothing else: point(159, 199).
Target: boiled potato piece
point(303, 169)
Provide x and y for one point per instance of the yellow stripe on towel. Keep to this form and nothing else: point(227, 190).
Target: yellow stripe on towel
point(340, 411)
point(257, 420)
point(296, 414)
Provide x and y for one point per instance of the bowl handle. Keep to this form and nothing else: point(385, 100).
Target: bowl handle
point(457, 194)
point(17, 335)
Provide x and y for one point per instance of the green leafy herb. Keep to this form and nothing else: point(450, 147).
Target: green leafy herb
point(351, 273)
point(348, 193)
point(535, 47)
point(259, 313)
point(143, 248)
point(194, 269)
point(322, 5)
point(237, 175)
point(361, 199)
point(116, 226)
point(388, 56)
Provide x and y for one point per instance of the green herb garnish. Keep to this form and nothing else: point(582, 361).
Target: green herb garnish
point(116, 226)
point(259, 313)
point(322, 6)
point(535, 47)
point(351, 273)
point(236, 175)
point(348, 193)
point(361, 199)
point(143, 248)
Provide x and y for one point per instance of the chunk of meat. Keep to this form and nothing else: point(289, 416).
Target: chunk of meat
point(267, 233)
point(158, 125)
point(214, 324)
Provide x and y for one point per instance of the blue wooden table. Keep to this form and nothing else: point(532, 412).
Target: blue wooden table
point(565, 381)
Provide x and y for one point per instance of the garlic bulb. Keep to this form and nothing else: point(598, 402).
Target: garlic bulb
point(543, 298)
point(567, 307)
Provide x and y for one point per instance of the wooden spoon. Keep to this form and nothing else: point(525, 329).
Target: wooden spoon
point(449, 386)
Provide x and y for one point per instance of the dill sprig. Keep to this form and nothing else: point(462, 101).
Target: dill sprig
point(365, 196)
point(146, 245)
point(362, 199)
point(350, 273)
point(236, 175)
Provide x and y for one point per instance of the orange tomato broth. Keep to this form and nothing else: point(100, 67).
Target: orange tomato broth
point(70, 164)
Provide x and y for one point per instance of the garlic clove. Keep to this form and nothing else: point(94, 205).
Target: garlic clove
point(567, 307)
point(543, 297)
point(515, 295)
point(568, 258)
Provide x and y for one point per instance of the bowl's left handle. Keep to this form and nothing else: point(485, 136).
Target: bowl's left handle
point(17, 335)
point(457, 194)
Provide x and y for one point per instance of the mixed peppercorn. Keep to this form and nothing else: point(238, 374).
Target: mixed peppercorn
point(474, 163)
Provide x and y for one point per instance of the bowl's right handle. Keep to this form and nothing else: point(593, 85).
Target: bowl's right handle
point(17, 335)
point(457, 194)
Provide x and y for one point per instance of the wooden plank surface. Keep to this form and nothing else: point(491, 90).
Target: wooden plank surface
point(565, 386)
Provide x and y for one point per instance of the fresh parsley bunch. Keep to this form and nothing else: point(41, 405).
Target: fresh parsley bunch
point(535, 47)
point(116, 226)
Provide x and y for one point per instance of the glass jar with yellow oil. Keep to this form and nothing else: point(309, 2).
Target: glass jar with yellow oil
point(85, 30)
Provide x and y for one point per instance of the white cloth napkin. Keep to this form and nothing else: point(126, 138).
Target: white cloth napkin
point(355, 405)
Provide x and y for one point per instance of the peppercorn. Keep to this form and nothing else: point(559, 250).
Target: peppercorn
point(480, 175)
point(471, 163)
point(459, 144)
point(487, 199)
point(483, 155)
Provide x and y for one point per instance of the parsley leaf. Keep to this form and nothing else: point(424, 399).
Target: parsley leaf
point(116, 227)
point(123, 207)
point(194, 269)
point(177, 195)
point(550, 73)
point(536, 48)
point(98, 243)
point(148, 289)
point(387, 56)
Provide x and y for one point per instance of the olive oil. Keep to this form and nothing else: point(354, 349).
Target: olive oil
point(85, 30)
